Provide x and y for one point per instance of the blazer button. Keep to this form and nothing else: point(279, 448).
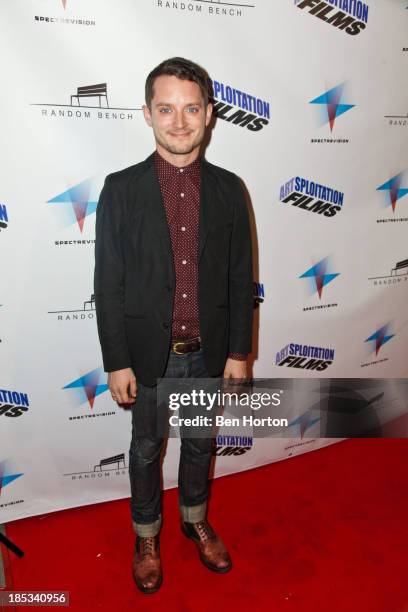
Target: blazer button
point(166, 325)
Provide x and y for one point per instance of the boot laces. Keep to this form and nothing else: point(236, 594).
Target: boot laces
point(147, 546)
point(204, 530)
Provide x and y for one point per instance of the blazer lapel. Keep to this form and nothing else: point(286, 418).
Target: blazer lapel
point(208, 190)
point(149, 189)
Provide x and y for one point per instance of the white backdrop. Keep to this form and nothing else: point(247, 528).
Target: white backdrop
point(57, 422)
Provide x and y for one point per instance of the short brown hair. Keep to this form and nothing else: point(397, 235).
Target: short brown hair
point(182, 69)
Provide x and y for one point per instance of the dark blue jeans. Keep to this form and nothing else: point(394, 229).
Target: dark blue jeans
point(145, 450)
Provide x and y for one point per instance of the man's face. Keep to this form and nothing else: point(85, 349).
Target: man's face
point(177, 115)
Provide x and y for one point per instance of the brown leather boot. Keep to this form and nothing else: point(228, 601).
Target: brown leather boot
point(211, 549)
point(147, 572)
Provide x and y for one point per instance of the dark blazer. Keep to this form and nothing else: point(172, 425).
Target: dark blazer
point(135, 278)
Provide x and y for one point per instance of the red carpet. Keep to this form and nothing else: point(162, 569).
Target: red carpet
point(326, 531)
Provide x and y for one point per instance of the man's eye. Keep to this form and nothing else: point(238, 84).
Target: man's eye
point(164, 110)
point(193, 109)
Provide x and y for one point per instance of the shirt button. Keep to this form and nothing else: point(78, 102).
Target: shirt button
point(183, 229)
point(181, 169)
point(182, 195)
point(184, 295)
point(183, 327)
point(184, 262)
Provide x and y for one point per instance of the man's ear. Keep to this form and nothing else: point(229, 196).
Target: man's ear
point(208, 113)
point(147, 115)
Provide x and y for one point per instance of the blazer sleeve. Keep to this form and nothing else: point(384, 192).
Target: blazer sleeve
point(109, 277)
point(240, 277)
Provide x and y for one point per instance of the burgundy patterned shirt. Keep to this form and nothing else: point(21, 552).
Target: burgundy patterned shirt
point(180, 188)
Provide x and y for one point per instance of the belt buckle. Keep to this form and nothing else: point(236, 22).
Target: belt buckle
point(175, 350)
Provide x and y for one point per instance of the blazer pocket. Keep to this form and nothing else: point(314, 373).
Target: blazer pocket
point(134, 316)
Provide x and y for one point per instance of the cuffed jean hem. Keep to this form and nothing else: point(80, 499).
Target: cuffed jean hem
point(193, 514)
point(148, 530)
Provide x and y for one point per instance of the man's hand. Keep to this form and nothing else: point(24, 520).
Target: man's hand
point(235, 369)
point(122, 385)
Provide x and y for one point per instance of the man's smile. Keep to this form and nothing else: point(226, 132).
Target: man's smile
point(180, 134)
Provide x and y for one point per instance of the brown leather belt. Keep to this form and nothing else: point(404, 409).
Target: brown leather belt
point(181, 347)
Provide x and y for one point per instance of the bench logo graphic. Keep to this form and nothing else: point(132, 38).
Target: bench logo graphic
point(311, 196)
point(304, 357)
point(209, 7)
point(240, 108)
point(351, 16)
point(105, 468)
point(4, 221)
point(75, 204)
point(393, 190)
point(13, 403)
point(330, 105)
point(319, 276)
point(258, 294)
point(231, 446)
point(88, 92)
point(380, 337)
point(304, 422)
point(79, 314)
point(397, 275)
point(87, 387)
point(86, 102)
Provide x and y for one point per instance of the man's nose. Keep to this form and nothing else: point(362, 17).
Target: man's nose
point(179, 119)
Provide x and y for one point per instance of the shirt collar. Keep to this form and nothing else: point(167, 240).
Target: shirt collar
point(166, 171)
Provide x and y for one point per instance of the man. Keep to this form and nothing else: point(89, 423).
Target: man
point(173, 290)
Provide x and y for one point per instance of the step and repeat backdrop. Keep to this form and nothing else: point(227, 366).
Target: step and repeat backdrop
point(311, 105)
